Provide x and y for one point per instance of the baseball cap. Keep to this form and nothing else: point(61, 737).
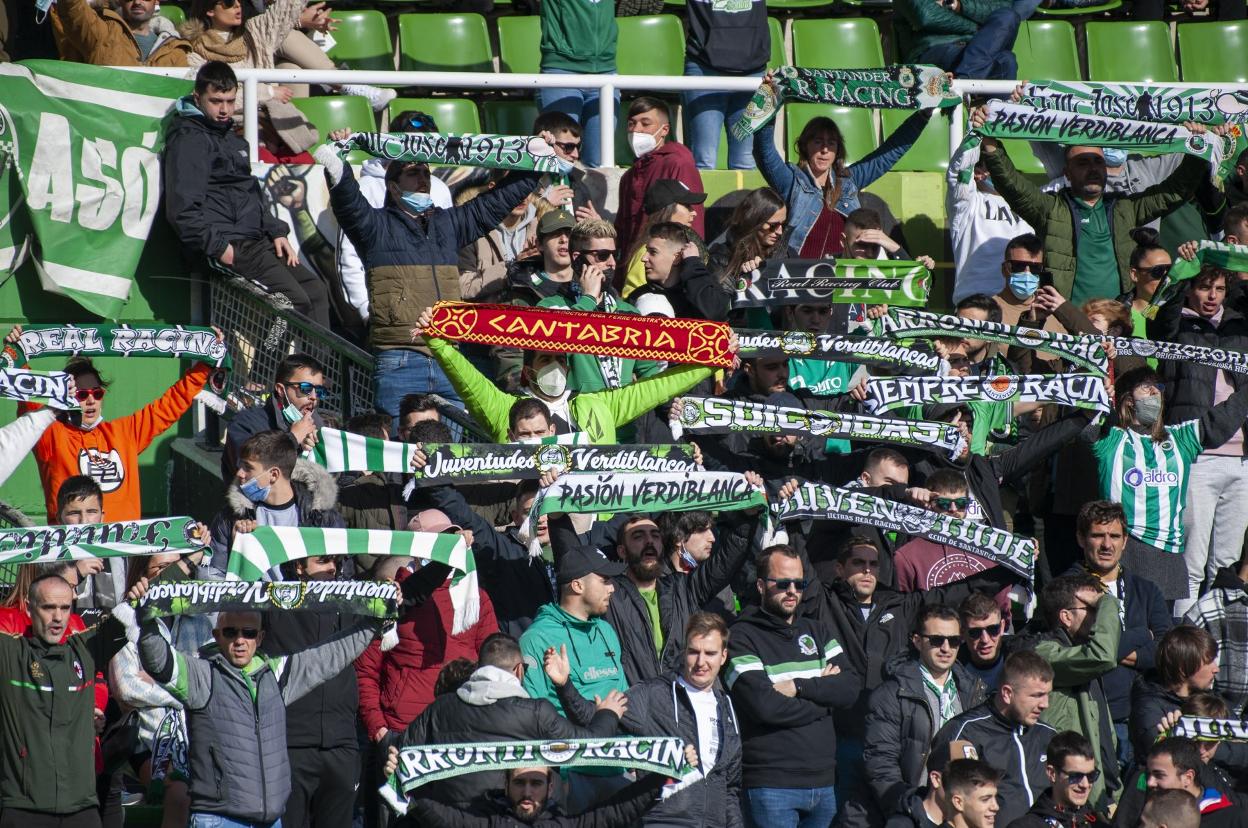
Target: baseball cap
point(667, 191)
point(580, 561)
point(431, 520)
point(654, 304)
point(940, 757)
point(554, 221)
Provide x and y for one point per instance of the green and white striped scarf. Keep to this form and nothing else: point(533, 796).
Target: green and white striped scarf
point(1165, 104)
point(45, 544)
point(946, 695)
point(1233, 257)
point(340, 451)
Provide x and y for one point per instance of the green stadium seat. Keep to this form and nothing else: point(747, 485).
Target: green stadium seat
point(508, 117)
point(1046, 50)
point(930, 153)
point(337, 112)
point(752, 179)
point(1130, 51)
point(173, 13)
point(519, 43)
point(795, 5)
point(1214, 52)
point(857, 127)
point(843, 43)
point(719, 183)
point(1086, 11)
point(778, 56)
point(1022, 156)
point(455, 115)
point(444, 43)
point(650, 45)
point(362, 41)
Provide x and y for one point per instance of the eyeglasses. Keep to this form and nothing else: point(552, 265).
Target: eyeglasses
point(1160, 271)
point(84, 394)
point(947, 503)
point(992, 631)
point(231, 633)
point(783, 584)
point(939, 641)
point(569, 146)
point(1078, 778)
point(306, 388)
point(598, 255)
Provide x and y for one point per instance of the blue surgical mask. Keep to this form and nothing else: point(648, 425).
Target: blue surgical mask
point(253, 491)
point(292, 413)
point(987, 183)
point(1114, 157)
point(1024, 284)
point(687, 559)
point(418, 202)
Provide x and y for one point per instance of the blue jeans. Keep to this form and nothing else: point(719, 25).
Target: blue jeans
point(987, 56)
point(789, 807)
point(399, 372)
point(217, 821)
point(582, 105)
point(1126, 754)
point(706, 113)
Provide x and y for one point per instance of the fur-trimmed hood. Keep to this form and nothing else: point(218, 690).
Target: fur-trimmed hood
point(310, 482)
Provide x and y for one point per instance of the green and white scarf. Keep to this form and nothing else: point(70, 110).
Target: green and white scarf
point(715, 415)
point(50, 387)
point(45, 544)
point(857, 349)
point(946, 696)
point(1233, 257)
point(893, 87)
point(1221, 358)
point(1081, 351)
point(500, 152)
point(422, 764)
point(1026, 123)
point(375, 599)
point(1078, 390)
point(255, 553)
point(834, 282)
point(1211, 730)
point(589, 493)
point(116, 340)
point(1165, 104)
point(820, 501)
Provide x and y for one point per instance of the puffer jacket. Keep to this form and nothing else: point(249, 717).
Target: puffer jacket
point(900, 727)
point(661, 706)
point(211, 197)
point(1190, 385)
point(101, 36)
point(413, 262)
point(1052, 214)
point(1048, 814)
point(251, 421)
point(622, 809)
point(491, 706)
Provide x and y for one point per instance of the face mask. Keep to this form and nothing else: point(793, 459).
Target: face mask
point(1114, 157)
point(253, 491)
point(292, 413)
point(1023, 285)
point(418, 202)
point(551, 380)
point(687, 559)
point(1147, 410)
point(987, 184)
point(641, 143)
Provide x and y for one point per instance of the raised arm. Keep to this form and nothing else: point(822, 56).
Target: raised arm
point(1081, 663)
point(876, 164)
point(18, 438)
point(778, 173)
point(483, 213)
point(153, 419)
point(486, 402)
point(301, 672)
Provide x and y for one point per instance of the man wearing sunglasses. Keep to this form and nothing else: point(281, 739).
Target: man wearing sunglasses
point(298, 386)
point(1071, 768)
point(983, 633)
point(1023, 273)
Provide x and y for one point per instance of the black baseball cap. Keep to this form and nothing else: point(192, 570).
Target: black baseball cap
point(667, 191)
point(580, 561)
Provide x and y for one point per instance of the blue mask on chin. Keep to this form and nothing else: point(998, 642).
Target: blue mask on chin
point(418, 202)
point(1024, 284)
point(253, 491)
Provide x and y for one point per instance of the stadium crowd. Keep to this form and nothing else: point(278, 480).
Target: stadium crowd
point(818, 671)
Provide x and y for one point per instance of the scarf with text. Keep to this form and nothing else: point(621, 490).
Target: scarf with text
point(1078, 390)
point(115, 340)
point(823, 502)
point(715, 415)
point(420, 765)
point(49, 387)
point(1233, 257)
point(1221, 358)
point(44, 544)
point(375, 599)
point(1081, 351)
point(857, 349)
point(834, 282)
point(1211, 730)
point(892, 87)
point(623, 335)
point(527, 153)
point(1164, 104)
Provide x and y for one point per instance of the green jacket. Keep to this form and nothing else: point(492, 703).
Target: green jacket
point(1077, 701)
point(578, 36)
point(593, 652)
point(931, 24)
point(584, 371)
point(599, 414)
point(1052, 214)
point(47, 703)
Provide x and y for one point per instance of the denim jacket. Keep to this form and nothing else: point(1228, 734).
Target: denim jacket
point(805, 198)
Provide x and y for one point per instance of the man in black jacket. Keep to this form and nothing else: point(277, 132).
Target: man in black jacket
point(298, 385)
point(787, 674)
point(1174, 764)
point(214, 203)
point(1071, 768)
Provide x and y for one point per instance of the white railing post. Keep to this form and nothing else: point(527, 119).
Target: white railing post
point(606, 125)
point(957, 128)
point(251, 117)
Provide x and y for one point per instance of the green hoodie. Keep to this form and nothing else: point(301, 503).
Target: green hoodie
point(593, 652)
point(578, 36)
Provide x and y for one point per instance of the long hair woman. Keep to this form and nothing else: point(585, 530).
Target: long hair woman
point(755, 233)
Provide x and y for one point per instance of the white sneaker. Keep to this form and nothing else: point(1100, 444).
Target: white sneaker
point(377, 96)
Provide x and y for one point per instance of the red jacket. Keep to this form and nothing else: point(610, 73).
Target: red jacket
point(672, 160)
point(397, 685)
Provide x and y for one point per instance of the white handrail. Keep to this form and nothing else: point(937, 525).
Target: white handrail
point(607, 85)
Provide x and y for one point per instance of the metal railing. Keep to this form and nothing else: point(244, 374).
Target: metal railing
point(11, 518)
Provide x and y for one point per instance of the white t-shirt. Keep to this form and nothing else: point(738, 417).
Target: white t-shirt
point(980, 224)
point(707, 711)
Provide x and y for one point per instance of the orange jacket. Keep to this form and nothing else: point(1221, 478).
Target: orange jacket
point(110, 451)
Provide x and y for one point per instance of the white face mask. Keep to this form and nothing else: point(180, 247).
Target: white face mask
point(551, 379)
point(641, 143)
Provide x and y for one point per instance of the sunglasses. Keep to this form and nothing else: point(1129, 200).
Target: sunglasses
point(938, 641)
point(772, 226)
point(947, 503)
point(84, 394)
point(992, 631)
point(783, 584)
point(569, 146)
point(1160, 271)
point(1017, 266)
point(306, 388)
point(231, 633)
point(959, 362)
point(419, 123)
point(227, 4)
point(598, 255)
point(1078, 778)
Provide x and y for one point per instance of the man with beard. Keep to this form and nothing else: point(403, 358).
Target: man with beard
point(786, 675)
